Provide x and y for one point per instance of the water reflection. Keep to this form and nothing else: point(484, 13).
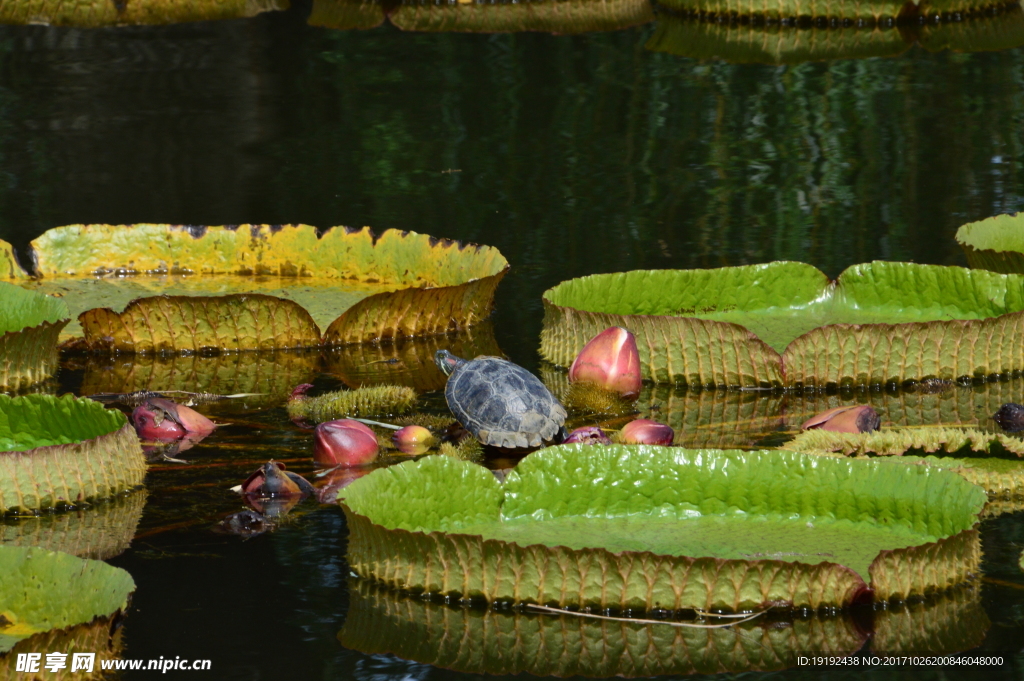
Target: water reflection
point(701, 36)
point(102, 530)
point(96, 13)
point(488, 641)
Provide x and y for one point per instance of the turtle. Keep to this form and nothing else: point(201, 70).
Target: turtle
point(500, 403)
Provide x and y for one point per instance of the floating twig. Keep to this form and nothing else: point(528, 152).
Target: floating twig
point(671, 623)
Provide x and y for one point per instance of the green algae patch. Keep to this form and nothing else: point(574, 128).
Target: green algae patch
point(46, 590)
point(63, 451)
point(995, 243)
point(30, 324)
point(652, 527)
point(784, 324)
point(149, 287)
point(556, 16)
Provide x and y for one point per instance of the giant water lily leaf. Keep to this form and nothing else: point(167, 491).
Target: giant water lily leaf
point(996, 243)
point(786, 324)
point(652, 527)
point(770, 44)
point(56, 451)
point(92, 13)
point(489, 641)
point(408, 361)
point(346, 14)
point(556, 16)
point(100, 531)
point(46, 590)
point(30, 324)
point(266, 379)
point(181, 324)
point(399, 284)
point(896, 441)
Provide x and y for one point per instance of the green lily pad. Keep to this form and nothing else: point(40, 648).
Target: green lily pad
point(102, 531)
point(46, 590)
point(784, 324)
point(346, 14)
point(995, 243)
point(490, 641)
point(654, 527)
point(396, 285)
point(556, 16)
point(63, 450)
point(29, 326)
point(1001, 478)
point(93, 13)
point(896, 441)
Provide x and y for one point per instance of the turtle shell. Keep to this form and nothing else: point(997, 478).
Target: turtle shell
point(503, 404)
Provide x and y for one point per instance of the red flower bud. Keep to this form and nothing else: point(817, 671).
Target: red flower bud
point(646, 432)
point(610, 361)
point(588, 435)
point(344, 443)
point(160, 419)
point(413, 440)
point(856, 418)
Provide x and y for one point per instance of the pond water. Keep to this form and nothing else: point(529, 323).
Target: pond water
point(572, 154)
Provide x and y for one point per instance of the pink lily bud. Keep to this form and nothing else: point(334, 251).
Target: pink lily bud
point(855, 418)
point(160, 419)
point(152, 423)
point(646, 432)
point(610, 361)
point(588, 435)
point(413, 440)
point(344, 443)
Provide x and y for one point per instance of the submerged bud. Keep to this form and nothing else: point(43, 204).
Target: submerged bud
point(413, 440)
point(162, 419)
point(367, 401)
point(272, 480)
point(1010, 417)
point(588, 435)
point(610, 361)
point(857, 418)
point(646, 432)
point(344, 443)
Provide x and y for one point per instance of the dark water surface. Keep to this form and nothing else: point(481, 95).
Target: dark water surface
point(572, 154)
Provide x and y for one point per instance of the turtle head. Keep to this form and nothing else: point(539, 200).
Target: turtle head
point(447, 362)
